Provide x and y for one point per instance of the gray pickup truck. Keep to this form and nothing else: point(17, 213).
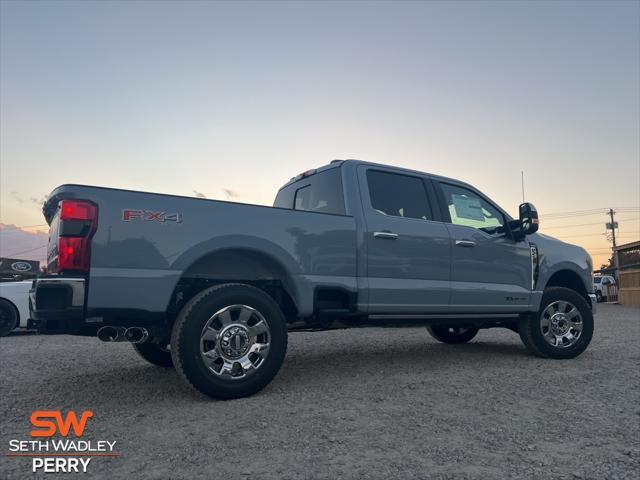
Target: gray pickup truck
point(213, 288)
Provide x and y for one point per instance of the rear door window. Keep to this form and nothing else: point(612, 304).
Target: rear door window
point(398, 195)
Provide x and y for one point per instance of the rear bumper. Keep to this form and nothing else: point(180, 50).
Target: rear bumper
point(593, 301)
point(57, 305)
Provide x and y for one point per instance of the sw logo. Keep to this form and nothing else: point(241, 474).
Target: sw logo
point(44, 421)
point(51, 451)
point(129, 215)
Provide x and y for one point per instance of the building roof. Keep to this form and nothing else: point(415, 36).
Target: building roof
point(627, 246)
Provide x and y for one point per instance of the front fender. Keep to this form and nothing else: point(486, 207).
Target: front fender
point(556, 256)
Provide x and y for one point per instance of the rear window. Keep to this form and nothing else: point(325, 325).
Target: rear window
point(321, 193)
point(597, 280)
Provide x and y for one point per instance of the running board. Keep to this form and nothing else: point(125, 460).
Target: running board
point(444, 316)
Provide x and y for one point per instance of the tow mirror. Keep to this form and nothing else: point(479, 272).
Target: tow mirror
point(528, 219)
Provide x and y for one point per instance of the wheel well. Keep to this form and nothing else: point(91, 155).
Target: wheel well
point(238, 266)
point(567, 279)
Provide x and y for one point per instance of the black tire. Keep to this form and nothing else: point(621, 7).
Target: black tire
point(599, 297)
point(453, 334)
point(154, 354)
point(188, 328)
point(8, 317)
point(530, 329)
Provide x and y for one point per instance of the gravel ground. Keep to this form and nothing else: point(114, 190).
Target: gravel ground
point(367, 403)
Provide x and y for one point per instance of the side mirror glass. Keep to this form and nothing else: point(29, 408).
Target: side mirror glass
point(528, 219)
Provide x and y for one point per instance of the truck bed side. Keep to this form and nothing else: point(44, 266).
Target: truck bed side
point(145, 242)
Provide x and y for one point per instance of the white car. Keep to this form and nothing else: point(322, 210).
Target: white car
point(14, 305)
point(601, 284)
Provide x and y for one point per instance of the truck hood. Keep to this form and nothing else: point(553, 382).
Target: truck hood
point(543, 239)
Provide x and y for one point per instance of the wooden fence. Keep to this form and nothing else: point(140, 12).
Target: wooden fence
point(610, 292)
point(629, 287)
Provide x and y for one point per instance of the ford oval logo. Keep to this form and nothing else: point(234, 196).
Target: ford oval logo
point(21, 266)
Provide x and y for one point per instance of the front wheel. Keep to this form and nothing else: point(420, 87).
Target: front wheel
point(599, 296)
point(229, 341)
point(562, 328)
point(453, 334)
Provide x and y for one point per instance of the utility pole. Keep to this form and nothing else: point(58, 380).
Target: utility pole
point(612, 226)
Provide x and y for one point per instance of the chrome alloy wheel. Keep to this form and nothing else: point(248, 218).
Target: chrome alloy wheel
point(561, 324)
point(235, 341)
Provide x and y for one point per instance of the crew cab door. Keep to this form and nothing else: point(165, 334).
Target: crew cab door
point(408, 253)
point(490, 272)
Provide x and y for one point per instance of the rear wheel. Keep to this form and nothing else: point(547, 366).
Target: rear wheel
point(563, 327)
point(8, 317)
point(159, 355)
point(453, 334)
point(229, 341)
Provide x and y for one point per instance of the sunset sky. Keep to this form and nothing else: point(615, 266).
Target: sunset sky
point(230, 100)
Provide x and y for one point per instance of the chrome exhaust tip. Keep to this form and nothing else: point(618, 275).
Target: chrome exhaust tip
point(136, 335)
point(111, 334)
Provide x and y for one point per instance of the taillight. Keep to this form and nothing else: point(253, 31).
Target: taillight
point(77, 210)
point(73, 254)
point(78, 223)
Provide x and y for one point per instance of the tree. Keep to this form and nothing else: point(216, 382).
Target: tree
point(611, 263)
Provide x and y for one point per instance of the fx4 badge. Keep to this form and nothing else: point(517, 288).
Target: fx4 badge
point(129, 215)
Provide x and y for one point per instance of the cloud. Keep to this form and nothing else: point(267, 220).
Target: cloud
point(39, 201)
point(16, 242)
point(230, 193)
point(199, 194)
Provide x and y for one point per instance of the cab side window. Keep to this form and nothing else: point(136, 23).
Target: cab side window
point(398, 195)
point(470, 209)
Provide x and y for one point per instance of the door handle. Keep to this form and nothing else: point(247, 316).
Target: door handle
point(465, 243)
point(386, 235)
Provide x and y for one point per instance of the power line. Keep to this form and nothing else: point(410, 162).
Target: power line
point(581, 213)
point(582, 235)
point(568, 213)
point(546, 218)
point(14, 228)
point(26, 251)
point(575, 225)
point(592, 223)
